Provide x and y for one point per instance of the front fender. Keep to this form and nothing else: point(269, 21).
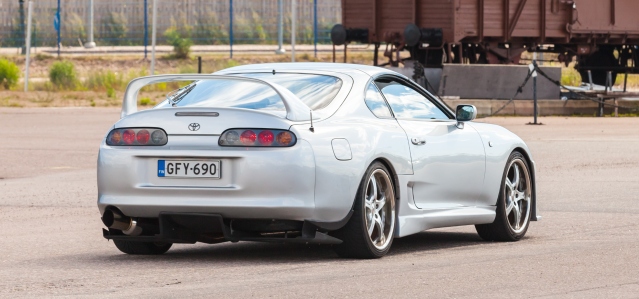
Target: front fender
point(499, 143)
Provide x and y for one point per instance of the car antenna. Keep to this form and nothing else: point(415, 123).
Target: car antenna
point(273, 71)
point(311, 128)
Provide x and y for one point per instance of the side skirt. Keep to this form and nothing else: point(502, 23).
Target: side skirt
point(427, 219)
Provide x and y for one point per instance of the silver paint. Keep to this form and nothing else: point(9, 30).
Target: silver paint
point(449, 179)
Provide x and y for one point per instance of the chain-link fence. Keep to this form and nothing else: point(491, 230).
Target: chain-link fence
point(128, 22)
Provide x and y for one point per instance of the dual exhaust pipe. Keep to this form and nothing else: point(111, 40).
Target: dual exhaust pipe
point(114, 219)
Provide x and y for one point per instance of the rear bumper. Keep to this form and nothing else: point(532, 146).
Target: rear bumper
point(255, 183)
point(212, 228)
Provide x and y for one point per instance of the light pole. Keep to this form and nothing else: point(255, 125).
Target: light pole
point(90, 44)
point(28, 40)
point(293, 17)
point(315, 26)
point(21, 2)
point(280, 28)
point(154, 34)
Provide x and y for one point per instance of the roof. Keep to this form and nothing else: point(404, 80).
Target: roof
point(309, 66)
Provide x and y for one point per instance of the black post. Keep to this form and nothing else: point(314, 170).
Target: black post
point(59, 27)
point(199, 64)
point(625, 81)
point(146, 27)
point(375, 54)
point(533, 72)
point(535, 93)
point(22, 28)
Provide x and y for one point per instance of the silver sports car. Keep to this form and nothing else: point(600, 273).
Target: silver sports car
point(348, 155)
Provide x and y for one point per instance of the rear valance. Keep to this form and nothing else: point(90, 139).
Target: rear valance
point(296, 110)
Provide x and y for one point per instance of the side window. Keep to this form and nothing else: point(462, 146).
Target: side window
point(407, 102)
point(376, 103)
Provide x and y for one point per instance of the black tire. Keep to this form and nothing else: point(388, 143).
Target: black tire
point(501, 229)
point(357, 242)
point(143, 248)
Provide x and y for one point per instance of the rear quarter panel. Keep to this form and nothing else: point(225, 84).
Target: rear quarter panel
point(369, 137)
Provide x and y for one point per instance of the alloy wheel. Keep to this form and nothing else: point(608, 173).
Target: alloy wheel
point(380, 209)
point(518, 194)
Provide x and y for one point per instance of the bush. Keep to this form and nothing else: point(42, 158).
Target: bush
point(62, 74)
point(181, 45)
point(103, 80)
point(9, 73)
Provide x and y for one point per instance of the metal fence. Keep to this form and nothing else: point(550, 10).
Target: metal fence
point(127, 22)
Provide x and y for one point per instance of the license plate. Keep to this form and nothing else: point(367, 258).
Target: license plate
point(189, 169)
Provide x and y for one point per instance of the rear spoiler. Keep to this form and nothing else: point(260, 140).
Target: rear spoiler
point(296, 110)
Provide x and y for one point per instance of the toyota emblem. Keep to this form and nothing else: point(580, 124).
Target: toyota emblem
point(194, 126)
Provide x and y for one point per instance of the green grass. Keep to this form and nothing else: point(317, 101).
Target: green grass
point(146, 101)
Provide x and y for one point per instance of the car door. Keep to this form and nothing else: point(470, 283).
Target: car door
point(448, 162)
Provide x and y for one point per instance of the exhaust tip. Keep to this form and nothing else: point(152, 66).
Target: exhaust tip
point(108, 218)
point(113, 218)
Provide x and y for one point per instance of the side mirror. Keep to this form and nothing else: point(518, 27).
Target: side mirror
point(465, 113)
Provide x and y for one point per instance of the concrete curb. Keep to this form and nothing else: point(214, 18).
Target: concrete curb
point(546, 107)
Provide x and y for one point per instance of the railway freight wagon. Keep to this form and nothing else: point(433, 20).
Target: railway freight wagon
point(603, 35)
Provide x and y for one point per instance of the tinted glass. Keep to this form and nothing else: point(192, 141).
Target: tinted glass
point(408, 103)
point(230, 93)
point(316, 91)
point(376, 103)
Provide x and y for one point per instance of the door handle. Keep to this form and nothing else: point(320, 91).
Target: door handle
point(418, 141)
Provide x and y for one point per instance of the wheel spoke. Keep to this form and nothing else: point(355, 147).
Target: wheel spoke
point(380, 203)
point(509, 184)
point(379, 223)
point(517, 210)
point(509, 208)
point(373, 184)
point(382, 238)
point(369, 205)
point(515, 181)
point(517, 196)
point(371, 226)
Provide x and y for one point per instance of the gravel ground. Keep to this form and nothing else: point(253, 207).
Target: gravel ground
point(586, 246)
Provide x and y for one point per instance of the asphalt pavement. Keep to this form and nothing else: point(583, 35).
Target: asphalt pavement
point(586, 246)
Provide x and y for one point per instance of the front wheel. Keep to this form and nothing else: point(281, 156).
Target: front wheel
point(144, 248)
point(369, 232)
point(513, 205)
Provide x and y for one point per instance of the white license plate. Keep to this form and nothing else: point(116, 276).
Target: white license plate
point(189, 168)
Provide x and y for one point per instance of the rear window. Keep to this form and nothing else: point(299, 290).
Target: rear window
point(316, 91)
point(228, 93)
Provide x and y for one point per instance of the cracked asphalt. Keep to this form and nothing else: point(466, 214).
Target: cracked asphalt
point(586, 246)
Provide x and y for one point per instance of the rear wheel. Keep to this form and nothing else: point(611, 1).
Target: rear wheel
point(369, 232)
point(513, 205)
point(144, 248)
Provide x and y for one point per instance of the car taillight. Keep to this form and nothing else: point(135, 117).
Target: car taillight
point(137, 136)
point(257, 138)
point(247, 137)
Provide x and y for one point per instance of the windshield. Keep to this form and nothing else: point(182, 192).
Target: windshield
point(316, 91)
